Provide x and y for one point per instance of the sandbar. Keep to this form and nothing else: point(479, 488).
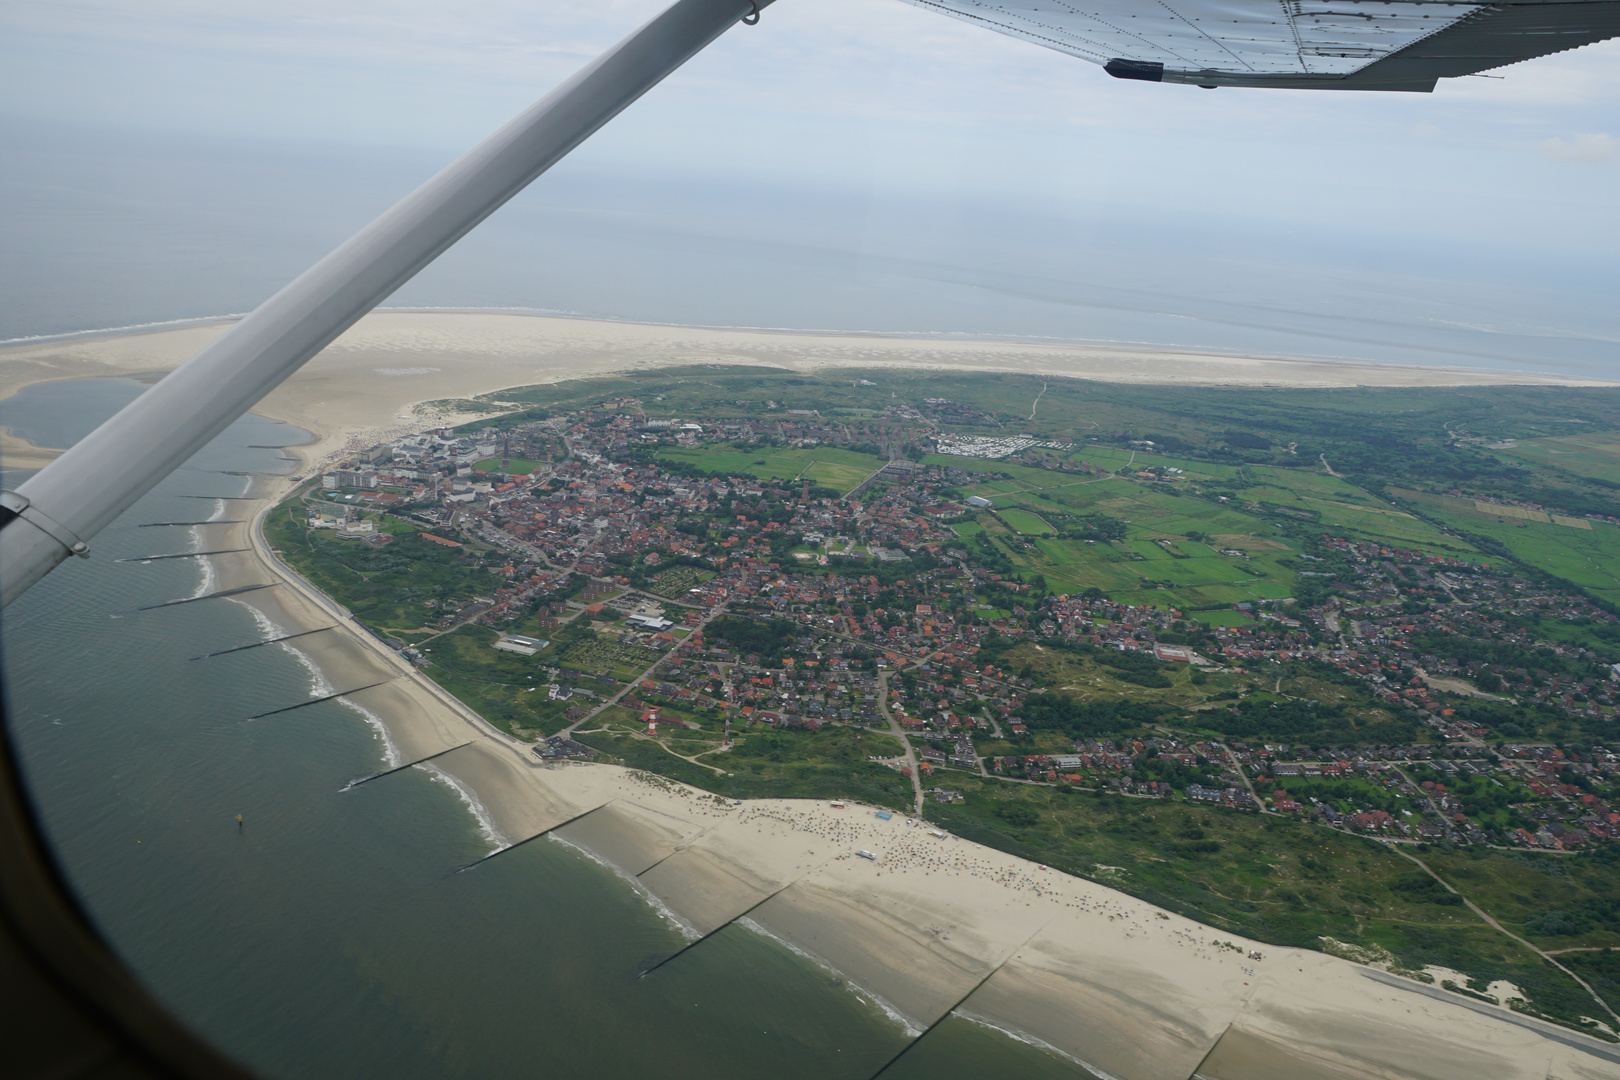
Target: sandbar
point(399, 370)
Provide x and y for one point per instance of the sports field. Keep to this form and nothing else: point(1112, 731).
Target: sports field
point(1027, 523)
point(515, 466)
point(828, 467)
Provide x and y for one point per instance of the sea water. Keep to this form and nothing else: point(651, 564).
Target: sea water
point(107, 229)
point(327, 935)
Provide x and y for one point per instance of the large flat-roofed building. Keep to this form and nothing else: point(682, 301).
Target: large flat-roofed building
point(649, 622)
point(517, 643)
point(348, 478)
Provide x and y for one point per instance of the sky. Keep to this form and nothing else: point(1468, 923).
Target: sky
point(870, 133)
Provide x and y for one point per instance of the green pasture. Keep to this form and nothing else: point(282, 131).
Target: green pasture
point(1595, 455)
point(1306, 482)
point(830, 467)
point(1221, 617)
point(1105, 457)
point(1588, 557)
point(1027, 523)
point(1341, 508)
point(1140, 569)
point(1137, 570)
point(1026, 477)
point(514, 466)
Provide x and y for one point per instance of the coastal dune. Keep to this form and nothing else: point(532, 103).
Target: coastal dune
point(1307, 1019)
point(17, 452)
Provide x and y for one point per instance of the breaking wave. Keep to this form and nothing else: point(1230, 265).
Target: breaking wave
point(486, 824)
point(877, 1001)
point(1040, 1044)
point(682, 927)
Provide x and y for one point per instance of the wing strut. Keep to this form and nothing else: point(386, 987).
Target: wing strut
point(56, 512)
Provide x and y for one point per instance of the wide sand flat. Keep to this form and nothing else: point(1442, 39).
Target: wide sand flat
point(371, 382)
point(17, 452)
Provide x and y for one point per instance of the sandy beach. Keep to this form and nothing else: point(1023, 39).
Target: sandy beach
point(17, 452)
point(1129, 990)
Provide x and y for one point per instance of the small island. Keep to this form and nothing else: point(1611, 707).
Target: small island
point(1332, 669)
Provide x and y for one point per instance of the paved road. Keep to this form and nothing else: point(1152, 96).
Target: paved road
point(1540, 1027)
point(862, 486)
point(898, 732)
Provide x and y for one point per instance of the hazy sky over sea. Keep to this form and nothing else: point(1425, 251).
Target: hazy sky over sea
point(858, 164)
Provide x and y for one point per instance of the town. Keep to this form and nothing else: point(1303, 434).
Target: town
point(624, 560)
point(1248, 666)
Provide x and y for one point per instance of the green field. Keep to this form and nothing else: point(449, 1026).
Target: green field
point(1029, 524)
point(514, 466)
point(1112, 460)
point(1596, 455)
point(1221, 617)
point(1589, 557)
point(1263, 511)
point(1344, 509)
point(1155, 564)
point(1024, 477)
point(828, 467)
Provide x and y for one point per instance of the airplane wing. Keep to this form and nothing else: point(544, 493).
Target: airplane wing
point(1297, 44)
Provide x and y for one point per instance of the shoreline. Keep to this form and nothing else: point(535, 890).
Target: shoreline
point(17, 452)
point(1064, 962)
